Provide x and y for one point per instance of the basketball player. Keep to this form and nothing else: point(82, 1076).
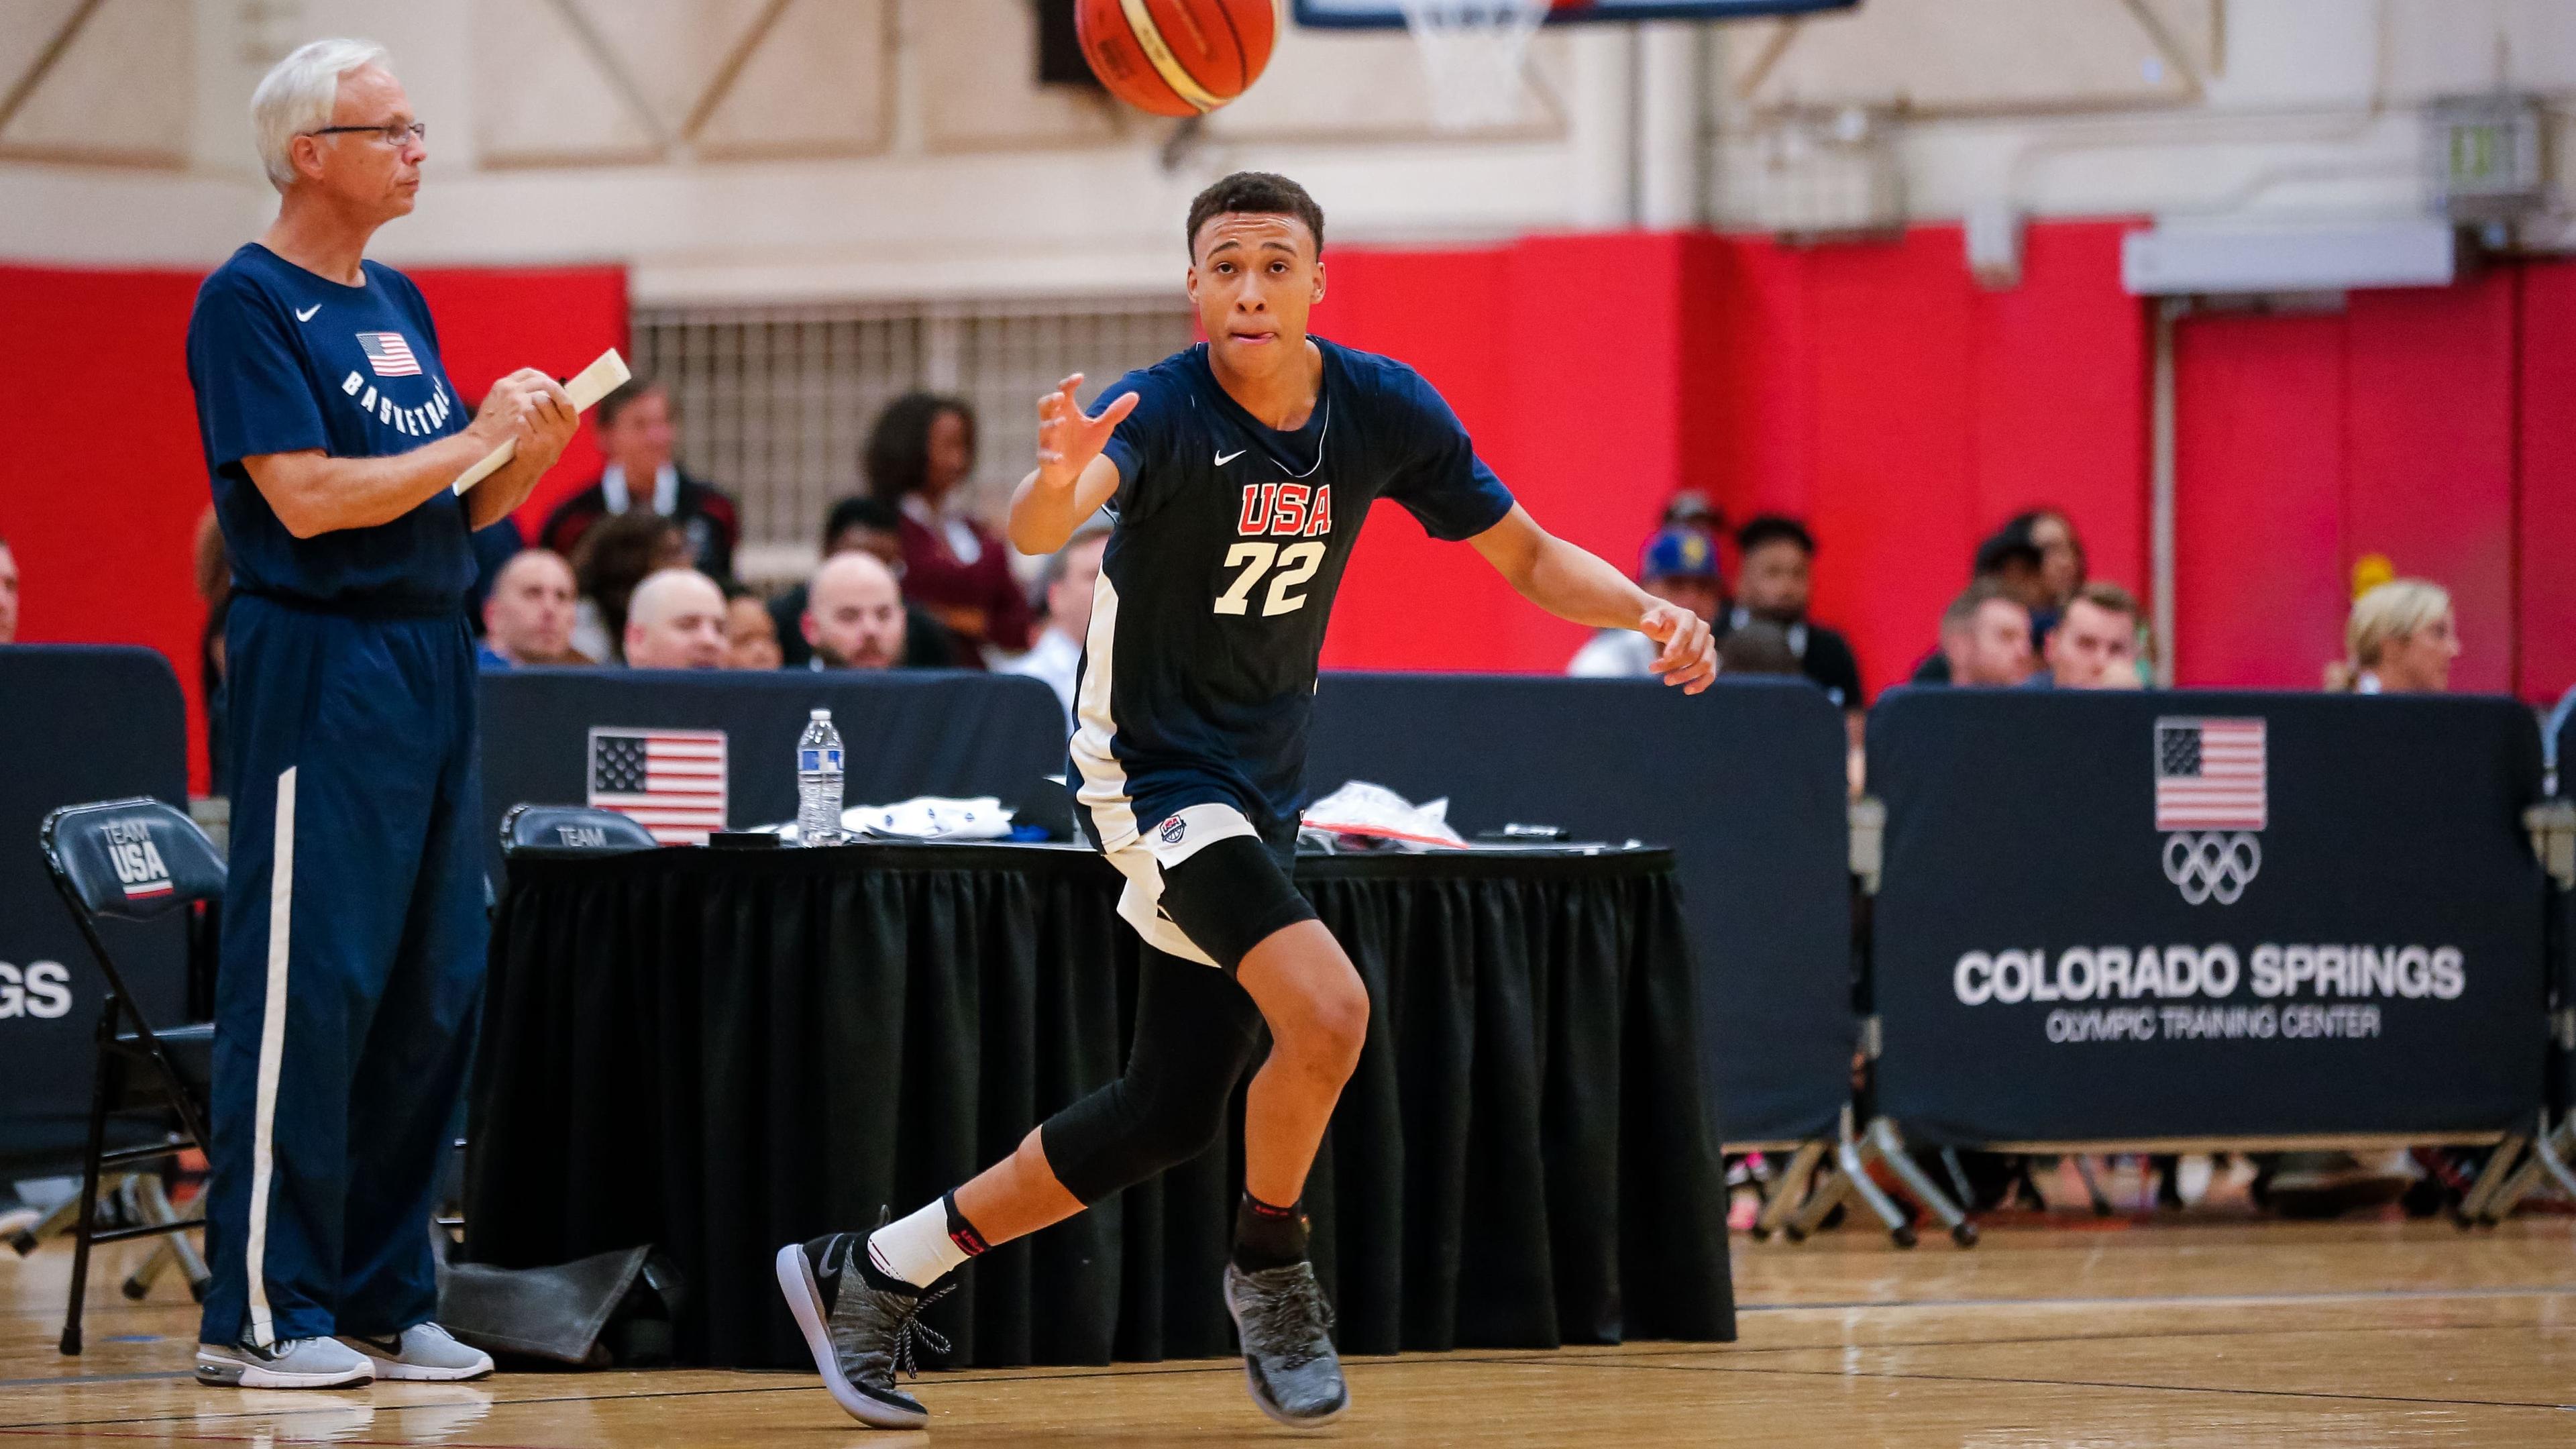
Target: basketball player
point(1238, 473)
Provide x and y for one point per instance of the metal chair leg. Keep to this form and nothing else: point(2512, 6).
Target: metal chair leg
point(99, 1072)
point(1855, 1171)
point(1891, 1150)
point(2491, 1178)
point(1819, 1206)
point(2544, 1148)
point(2093, 1186)
point(1789, 1188)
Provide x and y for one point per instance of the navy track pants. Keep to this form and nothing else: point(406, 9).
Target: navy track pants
point(351, 968)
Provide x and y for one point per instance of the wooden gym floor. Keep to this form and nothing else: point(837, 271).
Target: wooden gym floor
point(2208, 1330)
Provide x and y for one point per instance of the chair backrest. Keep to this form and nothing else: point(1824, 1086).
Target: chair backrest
point(571, 827)
point(132, 858)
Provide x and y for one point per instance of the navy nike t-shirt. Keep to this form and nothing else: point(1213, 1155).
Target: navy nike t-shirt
point(1198, 673)
point(284, 361)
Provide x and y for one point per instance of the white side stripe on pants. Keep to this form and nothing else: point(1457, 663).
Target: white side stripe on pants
point(272, 1054)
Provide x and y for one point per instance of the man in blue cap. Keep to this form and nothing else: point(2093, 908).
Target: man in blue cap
point(1679, 567)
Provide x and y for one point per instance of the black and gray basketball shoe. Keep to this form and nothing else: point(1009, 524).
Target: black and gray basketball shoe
point(861, 1336)
point(1283, 1321)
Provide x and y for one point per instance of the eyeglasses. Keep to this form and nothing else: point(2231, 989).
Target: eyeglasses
point(392, 133)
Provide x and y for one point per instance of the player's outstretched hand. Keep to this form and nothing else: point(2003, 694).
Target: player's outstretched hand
point(1689, 655)
point(1068, 439)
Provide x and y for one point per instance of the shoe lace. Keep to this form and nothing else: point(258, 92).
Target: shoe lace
point(908, 1328)
point(1292, 1319)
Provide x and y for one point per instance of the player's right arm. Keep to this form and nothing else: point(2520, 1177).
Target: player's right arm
point(312, 492)
point(1072, 478)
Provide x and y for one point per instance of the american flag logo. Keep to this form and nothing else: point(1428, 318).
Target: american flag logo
point(671, 782)
point(389, 354)
point(2209, 774)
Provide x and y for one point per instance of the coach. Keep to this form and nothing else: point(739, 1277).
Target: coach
point(353, 941)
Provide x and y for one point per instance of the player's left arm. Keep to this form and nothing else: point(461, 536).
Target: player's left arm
point(1572, 583)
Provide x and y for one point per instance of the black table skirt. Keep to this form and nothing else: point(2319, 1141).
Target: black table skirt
point(719, 1052)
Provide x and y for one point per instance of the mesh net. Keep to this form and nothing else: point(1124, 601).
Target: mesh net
point(1473, 54)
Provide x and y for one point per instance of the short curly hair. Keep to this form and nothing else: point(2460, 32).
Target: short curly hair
point(1256, 193)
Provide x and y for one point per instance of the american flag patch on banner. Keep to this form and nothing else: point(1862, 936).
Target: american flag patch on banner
point(389, 354)
point(2209, 774)
point(671, 782)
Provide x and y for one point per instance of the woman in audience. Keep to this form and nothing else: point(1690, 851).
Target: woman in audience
point(2400, 640)
point(920, 452)
point(751, 636)
point(612, 558)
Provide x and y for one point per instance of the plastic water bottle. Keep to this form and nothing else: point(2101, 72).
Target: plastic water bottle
point(818, 782)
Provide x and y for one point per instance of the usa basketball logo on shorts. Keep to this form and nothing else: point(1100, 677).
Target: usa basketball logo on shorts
point(2212, 797)
point(1172, 830)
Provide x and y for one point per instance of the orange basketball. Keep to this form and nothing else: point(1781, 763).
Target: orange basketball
point(1177, 57)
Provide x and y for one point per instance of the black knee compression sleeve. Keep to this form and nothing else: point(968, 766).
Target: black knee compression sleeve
point(1230, 897)
point(1196, 1031)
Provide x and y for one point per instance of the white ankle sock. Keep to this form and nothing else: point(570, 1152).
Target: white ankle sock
point(916, 1250)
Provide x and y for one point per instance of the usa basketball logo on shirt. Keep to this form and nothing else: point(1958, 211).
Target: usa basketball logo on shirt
point(389, 354)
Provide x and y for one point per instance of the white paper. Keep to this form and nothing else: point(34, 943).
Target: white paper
point(605, 375)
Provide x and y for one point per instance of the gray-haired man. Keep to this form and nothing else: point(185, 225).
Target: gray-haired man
point(352, 957)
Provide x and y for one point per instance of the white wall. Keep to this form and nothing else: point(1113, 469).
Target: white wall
point(896, 148)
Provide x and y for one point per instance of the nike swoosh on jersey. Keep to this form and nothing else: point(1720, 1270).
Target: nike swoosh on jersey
point(305, 314)
point(1224, 458)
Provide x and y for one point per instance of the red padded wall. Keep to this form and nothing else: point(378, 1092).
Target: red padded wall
point(103, 480)
point(2434, 426)
point(2545, 624)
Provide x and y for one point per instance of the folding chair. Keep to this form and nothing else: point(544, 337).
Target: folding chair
point(571, 827)
point(134, 860)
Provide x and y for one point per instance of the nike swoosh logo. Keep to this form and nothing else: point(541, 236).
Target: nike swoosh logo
point(305, 314)
point(1224, 458)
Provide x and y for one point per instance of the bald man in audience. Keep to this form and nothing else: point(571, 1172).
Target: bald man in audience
point(8, 593)
point(676, 620)
point(528, 617)
point(854, 614)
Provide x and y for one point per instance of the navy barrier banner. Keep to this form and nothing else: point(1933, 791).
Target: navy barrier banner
point(1744, 782)
point(687, 751)
point(76, 724)
point(2126, 916)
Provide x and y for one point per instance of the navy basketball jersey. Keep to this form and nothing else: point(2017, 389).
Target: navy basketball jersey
point(285, 361)
point(1198, 673)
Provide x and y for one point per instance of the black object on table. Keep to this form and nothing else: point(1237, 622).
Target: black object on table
point(720, 1052)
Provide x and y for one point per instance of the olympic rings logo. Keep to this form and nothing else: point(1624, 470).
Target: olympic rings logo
point(2212, 865)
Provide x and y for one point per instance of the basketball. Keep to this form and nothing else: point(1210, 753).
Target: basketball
point(1177, 57)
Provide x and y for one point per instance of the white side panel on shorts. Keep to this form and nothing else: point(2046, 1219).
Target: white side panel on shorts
point(1104, 780)
point(272, 1056)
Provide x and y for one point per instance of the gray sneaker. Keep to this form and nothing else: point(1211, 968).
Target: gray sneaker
point(1283, 1321)
point(293, 1363)
point(423, 1353)
point(861, 1336)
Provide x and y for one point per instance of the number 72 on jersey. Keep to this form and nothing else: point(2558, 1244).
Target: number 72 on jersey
point(1296, 564)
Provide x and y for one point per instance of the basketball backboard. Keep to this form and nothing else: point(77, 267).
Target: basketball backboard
point(1383, 14)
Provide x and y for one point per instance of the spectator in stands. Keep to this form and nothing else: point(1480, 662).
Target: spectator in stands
point(1679, 567)
point(614, 556)
point(1072, 572)
point(1773, 557)
point(676, 621)
point(2062, 566)
point(854, 614)
point(1690, 508)
point(2014, 565)
point(2401, 639)
point(1985, 639)
point(1757, 647)
point(2095, 644)
point(8, 594)
point(638, 430)
point(528, 617)
point(751, 636)
point(919, 454)
point(867, 525)
point(214, 577)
